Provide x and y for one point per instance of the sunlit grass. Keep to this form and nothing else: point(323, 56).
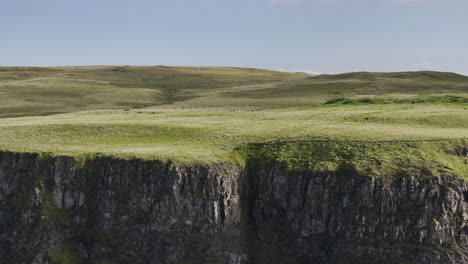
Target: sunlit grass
point(382, 124)
point(195, 134)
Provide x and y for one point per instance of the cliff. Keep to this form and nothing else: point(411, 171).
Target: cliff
point(106, 210)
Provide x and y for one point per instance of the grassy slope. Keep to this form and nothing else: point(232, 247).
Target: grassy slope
point(42, 91)
point(381, 123)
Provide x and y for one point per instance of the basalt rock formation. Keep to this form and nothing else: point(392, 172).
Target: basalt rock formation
point(107, 210)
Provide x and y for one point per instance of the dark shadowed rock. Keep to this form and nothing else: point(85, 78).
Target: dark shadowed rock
point(56, 210)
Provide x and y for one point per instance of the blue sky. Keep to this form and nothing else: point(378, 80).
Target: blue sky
point(319, 36)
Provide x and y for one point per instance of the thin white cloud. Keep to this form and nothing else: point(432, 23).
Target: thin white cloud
point(426, 65)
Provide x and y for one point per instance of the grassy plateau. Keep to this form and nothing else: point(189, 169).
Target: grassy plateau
point(380, 123)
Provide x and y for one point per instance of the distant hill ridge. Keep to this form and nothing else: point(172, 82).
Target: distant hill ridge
point(31, 91)
point(450, 76)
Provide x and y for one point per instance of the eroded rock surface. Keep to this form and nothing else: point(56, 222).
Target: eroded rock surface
point(57, 210)
point(347, 218)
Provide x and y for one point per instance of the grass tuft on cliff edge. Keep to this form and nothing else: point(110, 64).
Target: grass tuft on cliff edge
point(380, 123)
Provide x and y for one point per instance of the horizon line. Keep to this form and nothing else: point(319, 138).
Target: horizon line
point(239, 67)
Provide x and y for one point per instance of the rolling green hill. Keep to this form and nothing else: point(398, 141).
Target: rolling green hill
point(379, 122)
point(44, 91)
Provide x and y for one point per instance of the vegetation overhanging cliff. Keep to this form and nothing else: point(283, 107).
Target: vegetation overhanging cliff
point(382, 122)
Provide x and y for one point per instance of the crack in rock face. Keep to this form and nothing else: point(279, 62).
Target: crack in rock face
point(54, 210)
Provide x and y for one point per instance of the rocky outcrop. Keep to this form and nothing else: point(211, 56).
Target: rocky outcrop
point(300, 217)
point(115, 211)
point(104, 210)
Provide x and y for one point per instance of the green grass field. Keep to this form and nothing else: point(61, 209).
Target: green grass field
point(381, 123)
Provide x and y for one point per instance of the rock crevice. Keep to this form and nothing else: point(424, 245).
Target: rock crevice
point(56, 210)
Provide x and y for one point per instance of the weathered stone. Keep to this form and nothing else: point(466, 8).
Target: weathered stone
point(134, 211)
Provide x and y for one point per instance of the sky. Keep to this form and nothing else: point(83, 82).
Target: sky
point(315, 36)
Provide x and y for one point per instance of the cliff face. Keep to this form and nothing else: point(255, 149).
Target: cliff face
point(114, 211)
point(347, 218)
point(55, 210)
